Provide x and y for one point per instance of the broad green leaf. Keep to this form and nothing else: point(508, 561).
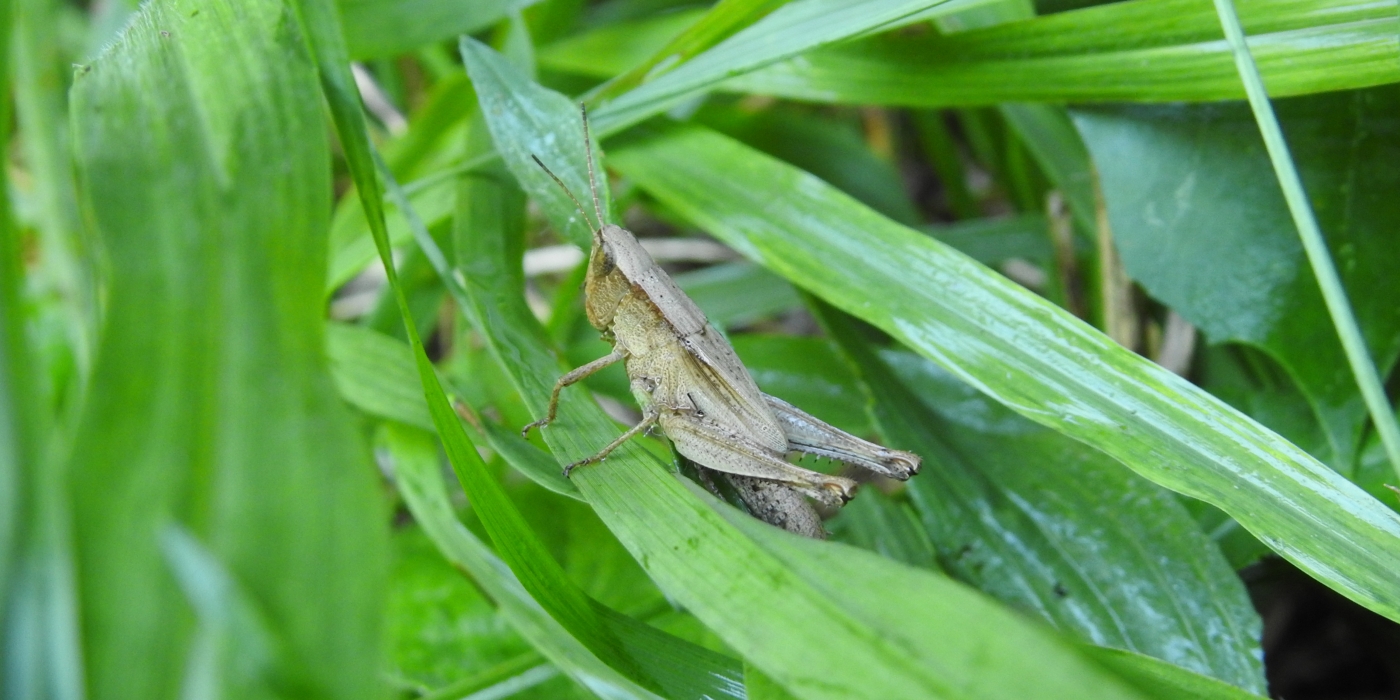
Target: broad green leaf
point(420, 481)
point(1027, 354)
point(640, 652)
point(1086, 55)
point(1055, 528)
point(379, 28)
point(1210, 211)
point(202, 145)
point(814, 617)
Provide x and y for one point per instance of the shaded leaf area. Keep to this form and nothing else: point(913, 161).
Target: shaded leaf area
point(1206, 231)
point(202, 146)
point(792, 611)
point(1025, 353)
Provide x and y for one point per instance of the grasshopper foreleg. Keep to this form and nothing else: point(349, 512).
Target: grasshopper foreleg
point(573, 377)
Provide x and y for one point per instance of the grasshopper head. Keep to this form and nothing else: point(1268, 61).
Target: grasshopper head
point(607, 284)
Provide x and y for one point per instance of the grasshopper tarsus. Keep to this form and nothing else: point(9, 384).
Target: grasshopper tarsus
point(569, 468)
point(525, 431)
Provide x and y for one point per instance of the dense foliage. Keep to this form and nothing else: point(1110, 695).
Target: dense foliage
point(275, 271)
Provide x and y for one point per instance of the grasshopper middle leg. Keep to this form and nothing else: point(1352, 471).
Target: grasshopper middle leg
point(573, 377)
point(648, 420)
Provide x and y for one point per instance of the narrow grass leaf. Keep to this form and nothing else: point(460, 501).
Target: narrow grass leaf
point(1164, 681)
point(376, 374)
point(234, 650)
point(721, 21)
point(203, 150)
point(1027, 354)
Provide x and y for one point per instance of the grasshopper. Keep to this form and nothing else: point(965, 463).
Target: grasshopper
point(690, 383)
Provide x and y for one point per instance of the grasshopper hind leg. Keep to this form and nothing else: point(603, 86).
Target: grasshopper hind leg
point(712, 445)
point(806, 433)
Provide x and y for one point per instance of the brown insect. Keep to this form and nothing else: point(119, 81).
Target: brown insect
point(689, 382)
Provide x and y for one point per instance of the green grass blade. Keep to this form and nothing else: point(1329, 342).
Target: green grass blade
point(204, 155)
point(233, 648)
point(419, 479)
point(1027, 354)
point(793, 29)
point(1085, 56)
point(636, 650)
point(1362, 366)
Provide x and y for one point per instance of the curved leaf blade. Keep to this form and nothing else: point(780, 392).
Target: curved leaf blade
point(1027, 354)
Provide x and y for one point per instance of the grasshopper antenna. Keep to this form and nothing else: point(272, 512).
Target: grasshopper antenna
point(588, 148)
point(581, 211)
